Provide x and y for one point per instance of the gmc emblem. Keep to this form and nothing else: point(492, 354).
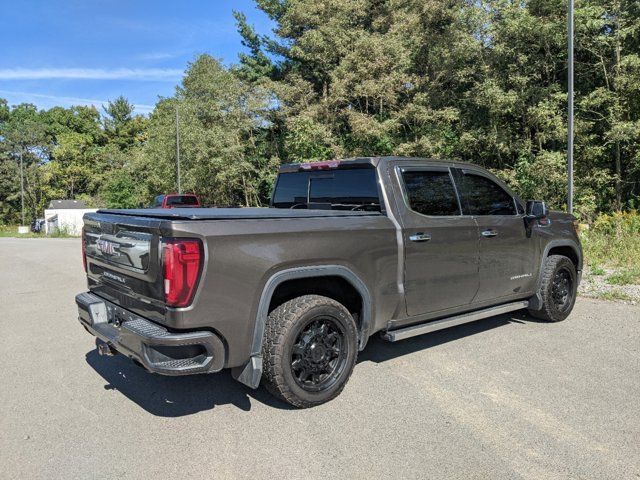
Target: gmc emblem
point(107, 247)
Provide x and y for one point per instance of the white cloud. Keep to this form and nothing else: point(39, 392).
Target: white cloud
point(157, 56)
point(157, 74)
point(48, 101)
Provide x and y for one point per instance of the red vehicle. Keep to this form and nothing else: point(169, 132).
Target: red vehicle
point(177, 200)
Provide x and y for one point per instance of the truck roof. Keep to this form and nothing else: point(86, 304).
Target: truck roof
point(356, 162)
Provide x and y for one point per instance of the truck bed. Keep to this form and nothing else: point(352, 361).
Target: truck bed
point(234, 213)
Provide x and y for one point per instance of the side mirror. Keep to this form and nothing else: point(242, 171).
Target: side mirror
point(536, 209)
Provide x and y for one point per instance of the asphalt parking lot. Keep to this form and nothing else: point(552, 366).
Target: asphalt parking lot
point(506, 397)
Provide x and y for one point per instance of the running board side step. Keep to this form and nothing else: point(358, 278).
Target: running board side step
point(434, 325)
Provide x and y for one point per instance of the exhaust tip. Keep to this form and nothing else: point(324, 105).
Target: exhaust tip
point(105, 349)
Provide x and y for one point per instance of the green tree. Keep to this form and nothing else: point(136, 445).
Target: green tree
point(66, 153)
point(220, 120)
point(25, 142)
point(75, 166)
point(476, 81)
point(123, 129)
point(120, 191)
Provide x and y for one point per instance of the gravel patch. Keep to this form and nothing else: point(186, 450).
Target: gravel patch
point(596, 286)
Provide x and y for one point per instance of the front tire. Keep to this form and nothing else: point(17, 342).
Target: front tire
point(558, 289)
point(309, 350)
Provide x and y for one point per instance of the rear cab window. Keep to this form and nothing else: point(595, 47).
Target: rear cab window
point(332, 189)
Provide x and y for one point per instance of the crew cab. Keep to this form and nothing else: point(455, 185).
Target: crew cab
point(288, 295)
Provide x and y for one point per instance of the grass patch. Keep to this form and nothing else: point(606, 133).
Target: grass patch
point(614, 295)
point(12, 231)
point(625, 277)
point(613, 242)
point(62, 233)
point(611, 251)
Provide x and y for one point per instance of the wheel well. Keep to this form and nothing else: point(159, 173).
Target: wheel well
point(568, 252)
point(332, 286)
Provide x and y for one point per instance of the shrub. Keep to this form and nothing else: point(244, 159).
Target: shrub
point(618, 224)
point(613, 240)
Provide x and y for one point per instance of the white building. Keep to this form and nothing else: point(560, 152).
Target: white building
point(65, 215)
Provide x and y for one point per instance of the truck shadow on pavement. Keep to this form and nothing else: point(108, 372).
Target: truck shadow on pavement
point(180, 396)
point(379, 351)
point(166, 396)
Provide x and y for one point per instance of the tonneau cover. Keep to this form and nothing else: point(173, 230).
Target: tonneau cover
point(233, 213)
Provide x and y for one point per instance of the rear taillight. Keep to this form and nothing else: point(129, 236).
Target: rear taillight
point(182, 264)
point(84, 251)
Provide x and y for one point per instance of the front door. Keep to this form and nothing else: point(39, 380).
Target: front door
point(507, 250)
point(441, 244)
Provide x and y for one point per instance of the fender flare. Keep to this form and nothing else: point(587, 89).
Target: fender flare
point(251, 372)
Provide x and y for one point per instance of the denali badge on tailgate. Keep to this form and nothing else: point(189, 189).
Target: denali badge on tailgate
point(112, 276)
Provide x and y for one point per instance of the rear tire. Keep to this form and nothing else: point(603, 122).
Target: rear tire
point(309, 351)
point(558, 289)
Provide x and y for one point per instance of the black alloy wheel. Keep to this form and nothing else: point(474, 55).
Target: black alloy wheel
point(318, 356)
point(558, 289)
point(309, 351)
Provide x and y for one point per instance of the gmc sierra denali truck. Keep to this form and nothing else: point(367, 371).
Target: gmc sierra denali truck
point(289, 294)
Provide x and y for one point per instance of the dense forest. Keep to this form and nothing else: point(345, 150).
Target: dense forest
point(479, 81)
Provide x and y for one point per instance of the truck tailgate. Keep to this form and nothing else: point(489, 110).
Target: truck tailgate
point(124, 261)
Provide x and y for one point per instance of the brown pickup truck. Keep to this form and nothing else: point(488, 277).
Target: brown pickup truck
point(289, 294)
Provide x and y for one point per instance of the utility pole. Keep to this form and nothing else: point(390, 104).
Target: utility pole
point(21, 186)
point(570, 109)
point(178, 148)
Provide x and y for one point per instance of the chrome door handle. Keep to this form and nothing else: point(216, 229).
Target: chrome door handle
point(490, 233)
point(420, 237)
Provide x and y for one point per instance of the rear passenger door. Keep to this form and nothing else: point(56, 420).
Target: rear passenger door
point(441, 244)
point(507, 253)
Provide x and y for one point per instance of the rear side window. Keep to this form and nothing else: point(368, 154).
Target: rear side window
point(483, 196)
point(431, 192)
point(346, 189)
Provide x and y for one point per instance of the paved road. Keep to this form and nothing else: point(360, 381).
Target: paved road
point(506, 397)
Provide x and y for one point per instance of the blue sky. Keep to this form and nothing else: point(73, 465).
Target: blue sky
point(72, 52)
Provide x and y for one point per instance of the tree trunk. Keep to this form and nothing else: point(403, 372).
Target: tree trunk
point(325, 99)
point(244, 190)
